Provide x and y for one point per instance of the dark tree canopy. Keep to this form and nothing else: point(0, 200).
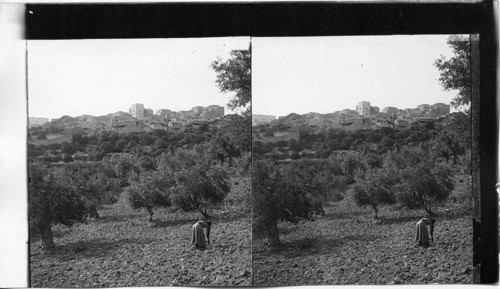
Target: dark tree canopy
point(275, 199)
point(234, 75)
point(423, 186)
point(375, 189)
point(233, 137)
point(185, 179)
point(50, 203)
point(290, 192)
point(455, 71)
point(150, 191)
point(197, 183)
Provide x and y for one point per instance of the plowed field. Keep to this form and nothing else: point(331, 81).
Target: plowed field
point(348, 246)
point(123, 249)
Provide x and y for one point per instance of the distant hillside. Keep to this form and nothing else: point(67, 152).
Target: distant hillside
point(311, 121)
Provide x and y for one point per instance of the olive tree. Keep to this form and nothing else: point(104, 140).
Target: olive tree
point(150, 191)
point(185, 179)
point(50, 203)
point(455, 71)
point(422, 180)
point(234, 75)
point(198, 182)
point(424, 185)
point(89, 181)
point(290, 193)
point(374, 189)
point(275, 198)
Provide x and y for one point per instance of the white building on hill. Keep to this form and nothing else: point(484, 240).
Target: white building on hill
point(363, 108)
point(137, 110)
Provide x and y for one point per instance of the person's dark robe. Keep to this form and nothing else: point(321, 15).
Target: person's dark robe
point(198, 238)
point(422, 236)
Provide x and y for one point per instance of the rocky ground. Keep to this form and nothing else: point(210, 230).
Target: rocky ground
point(123, 249)
point(347, 246)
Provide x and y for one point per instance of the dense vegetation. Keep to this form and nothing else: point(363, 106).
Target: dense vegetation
point(90, 193)
point(340, 206)
point(69, 180)
point(414, 168)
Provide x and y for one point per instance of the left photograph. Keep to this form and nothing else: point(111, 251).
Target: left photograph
point(139, 162)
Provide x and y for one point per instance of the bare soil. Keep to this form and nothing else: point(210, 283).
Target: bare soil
point(123, 249)
point(348, 246)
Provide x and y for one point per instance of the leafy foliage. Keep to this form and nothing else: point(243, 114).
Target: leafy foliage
point(93, 183)
point(275, 199)
point(50, 203)
point(455, 72)
point(150, 191)
point(233, 138)
point(186, 179)
point(198, 182)
point(126, 168)
point(234, 75)
point(423, 185)
point(289, 193)
point(375, 188)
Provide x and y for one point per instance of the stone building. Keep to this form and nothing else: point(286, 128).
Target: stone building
point(137, 110)
point(363, 108)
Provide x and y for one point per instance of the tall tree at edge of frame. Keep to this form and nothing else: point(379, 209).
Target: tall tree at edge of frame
point(234, 75)
point(455, 73)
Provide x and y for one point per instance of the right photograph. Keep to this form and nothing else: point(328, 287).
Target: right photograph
point(362, 160)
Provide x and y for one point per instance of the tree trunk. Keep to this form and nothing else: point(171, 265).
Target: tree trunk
point(204, 213)
point(273, 235)
point(150, 211)
point(321, 210)
point(93, 214)
point(429, 211)
point(376, 211)
point(221, 158)
point(46, 232)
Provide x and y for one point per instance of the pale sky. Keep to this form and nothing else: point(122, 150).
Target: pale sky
point(326, 74)
point(101, 76)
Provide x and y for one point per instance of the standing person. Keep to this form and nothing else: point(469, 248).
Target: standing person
point(422, 236)
point(198, 238)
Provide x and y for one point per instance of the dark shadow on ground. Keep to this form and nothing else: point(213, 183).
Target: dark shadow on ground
point(174, 222)
point(397, 220)
point(56, 233)
point(91, 249)
point(313, 246)
point(342, 215)
point(118, 218)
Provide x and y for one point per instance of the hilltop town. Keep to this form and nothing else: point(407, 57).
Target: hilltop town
point(364, 116)
point(138, 119)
